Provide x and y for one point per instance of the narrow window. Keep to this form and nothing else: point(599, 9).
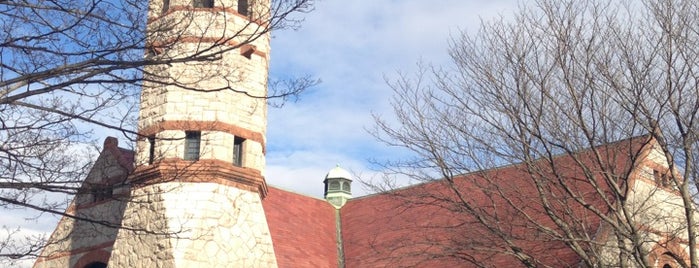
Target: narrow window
point(238, 151)
point(346, 187)
point(243, 7)
point(192, 141)
point(203, 3)
point(166, 6)
point(151, 149)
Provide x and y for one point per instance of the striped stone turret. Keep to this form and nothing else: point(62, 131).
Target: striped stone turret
point(199, 177)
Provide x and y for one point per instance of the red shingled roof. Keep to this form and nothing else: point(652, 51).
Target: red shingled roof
point(426, 225)
point(302, 229)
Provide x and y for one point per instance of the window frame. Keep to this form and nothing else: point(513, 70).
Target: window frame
point(238, 149)
point(192, 143)
point(202, 3)
point(151, 149)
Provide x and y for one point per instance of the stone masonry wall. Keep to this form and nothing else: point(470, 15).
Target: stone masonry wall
point(195, 225)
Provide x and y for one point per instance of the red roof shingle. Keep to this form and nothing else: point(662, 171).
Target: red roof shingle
point(302, 229)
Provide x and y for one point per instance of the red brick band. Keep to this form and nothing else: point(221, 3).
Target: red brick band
point(191, 125)
point(205, 170)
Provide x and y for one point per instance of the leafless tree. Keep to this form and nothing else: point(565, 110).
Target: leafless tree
point(536, 131)
point(70, 69)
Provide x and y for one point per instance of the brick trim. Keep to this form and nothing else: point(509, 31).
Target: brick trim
point(160, 45)
point(660, 251)
point(93, 256)
point(204, 126)
point(97, 252)
point(202, 171)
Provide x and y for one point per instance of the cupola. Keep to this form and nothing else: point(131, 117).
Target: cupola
point(338, 186)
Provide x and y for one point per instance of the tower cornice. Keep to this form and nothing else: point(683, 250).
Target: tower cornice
point(202, 171)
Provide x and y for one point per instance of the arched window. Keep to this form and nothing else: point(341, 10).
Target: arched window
point(669, 260)
point(334, 185)
point(96, 265)
point(346, 187)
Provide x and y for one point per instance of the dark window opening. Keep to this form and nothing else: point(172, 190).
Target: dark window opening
point(151, 149)
point(96, 265)
point(166, 6)
point(346, 187)
point(243, 8)
point(247, 52)
point(661, 178)
point(238, 151)
point(203, 3)
point(101, 192)
point(192, 143)
point(152, 51)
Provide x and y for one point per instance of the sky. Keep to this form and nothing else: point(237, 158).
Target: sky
point(353, 47)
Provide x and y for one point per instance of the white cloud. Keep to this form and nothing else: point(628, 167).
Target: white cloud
point(352, 46)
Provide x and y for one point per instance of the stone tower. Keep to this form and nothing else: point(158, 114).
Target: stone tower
point(199, 178)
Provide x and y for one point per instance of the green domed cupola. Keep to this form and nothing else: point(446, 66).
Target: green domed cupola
point(338, 186)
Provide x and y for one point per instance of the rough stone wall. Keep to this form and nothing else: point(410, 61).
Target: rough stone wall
point(73, 238)
point(212, 226)
point(654, 205)
point(656, 209)
point(97, 221)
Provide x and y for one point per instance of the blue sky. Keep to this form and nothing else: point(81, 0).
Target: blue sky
point(352, 46)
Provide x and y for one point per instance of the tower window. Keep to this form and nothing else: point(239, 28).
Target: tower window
point(661, 178)
point(151, 149)
point(192, 142)
point(247, 51)
point(96, 265)
point(101, 192)
point(238, 151)
point(243, 8)
point(203, 3)
point(346, 187)
point(166, 6)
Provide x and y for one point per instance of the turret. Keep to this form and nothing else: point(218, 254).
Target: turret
point(199, 177)
point(206, 106)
